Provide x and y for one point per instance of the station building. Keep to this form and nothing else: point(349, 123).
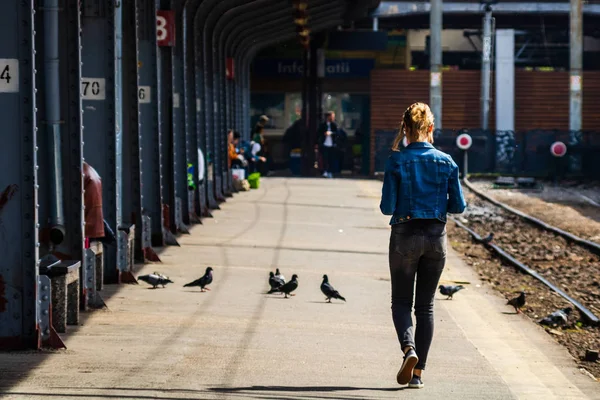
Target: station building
point(372, 73)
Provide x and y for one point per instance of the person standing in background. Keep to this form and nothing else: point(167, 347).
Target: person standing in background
point(260, 125)
point(259, 152)
point(292, 138)
point(326, 139)
point(262, 157)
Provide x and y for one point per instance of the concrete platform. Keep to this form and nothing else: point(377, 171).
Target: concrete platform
point(235, 342)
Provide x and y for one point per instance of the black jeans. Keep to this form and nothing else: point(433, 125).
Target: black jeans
point(328, 158)
point(417, 252)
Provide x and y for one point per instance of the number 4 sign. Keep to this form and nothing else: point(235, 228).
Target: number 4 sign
point(165, 28)
point(9, 75)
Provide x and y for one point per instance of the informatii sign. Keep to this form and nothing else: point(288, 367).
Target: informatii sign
point(293, 68)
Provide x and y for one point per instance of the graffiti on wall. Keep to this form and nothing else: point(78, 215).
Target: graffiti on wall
point(525, 153)
point(506, 146)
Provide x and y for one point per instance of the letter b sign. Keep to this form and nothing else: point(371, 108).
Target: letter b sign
point(165, 28)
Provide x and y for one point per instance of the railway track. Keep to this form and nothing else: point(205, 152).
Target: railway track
point(592, 246)
point(565, 263)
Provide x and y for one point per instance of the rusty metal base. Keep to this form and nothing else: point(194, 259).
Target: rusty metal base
point(150, 255)
point(127, 277)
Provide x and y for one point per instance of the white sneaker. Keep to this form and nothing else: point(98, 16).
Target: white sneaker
point(325, 174)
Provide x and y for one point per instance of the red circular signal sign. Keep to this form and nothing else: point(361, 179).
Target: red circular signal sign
point(558, 149)
point(464, 141)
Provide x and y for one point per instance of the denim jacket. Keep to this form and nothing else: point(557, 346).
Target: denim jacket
point(421, 182)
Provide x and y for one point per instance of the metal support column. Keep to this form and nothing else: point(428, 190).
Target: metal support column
point(312, 116)
point(505, 79)
point(307, 150)
point(205, 125)
point(212, 93)
point(18, 181)
point(98, 86)
point(239, 101)
point(166, 138)
point(179, 150)
point(72, 138)
point(576, 73)
point(486, 66)
point(193, 116)
point(124, 251)
point(148, 98)
point(214, 28)
point(435, 50)
point(52, 115)
point(130, 174)
point(246, 98)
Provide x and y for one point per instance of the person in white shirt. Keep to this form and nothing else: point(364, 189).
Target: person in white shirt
point(326, 139)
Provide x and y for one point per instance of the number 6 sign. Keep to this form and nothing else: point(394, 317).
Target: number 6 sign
point(165, 28)
point(144, 95)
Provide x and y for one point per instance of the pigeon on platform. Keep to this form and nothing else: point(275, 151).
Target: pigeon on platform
point(275, 282)
point(559, 317)
point(488, 238)
point(160, 275)
point(450, 290)
point(517, 302)
point(279, 275)
point(289, 287)
point(155, 279)
point(329, 291)
point(206, 280)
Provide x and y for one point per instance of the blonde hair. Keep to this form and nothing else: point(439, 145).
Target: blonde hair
point(416, 125)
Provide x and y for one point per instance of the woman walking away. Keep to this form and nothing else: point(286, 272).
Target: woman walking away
point(420, 186)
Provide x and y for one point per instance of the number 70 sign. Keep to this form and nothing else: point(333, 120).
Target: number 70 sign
point(165, 28)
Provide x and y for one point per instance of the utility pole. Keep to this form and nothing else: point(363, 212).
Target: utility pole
point(435, 61)
point(486, 64)
point(576, 64)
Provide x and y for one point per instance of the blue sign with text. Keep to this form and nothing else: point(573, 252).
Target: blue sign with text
point(293, 68)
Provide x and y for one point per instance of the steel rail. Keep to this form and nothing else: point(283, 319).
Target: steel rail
point(587, 314)
point(592, 246)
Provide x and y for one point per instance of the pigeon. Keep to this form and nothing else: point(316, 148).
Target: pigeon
point(517, 302)
point(488, 238)
point(450, 290)
point(329, 291)
point(275, 282)
point(289, 287)
point(279, 275)
point(206, 280)
point(160, 275)
point(559, 317)
point(155, 279)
